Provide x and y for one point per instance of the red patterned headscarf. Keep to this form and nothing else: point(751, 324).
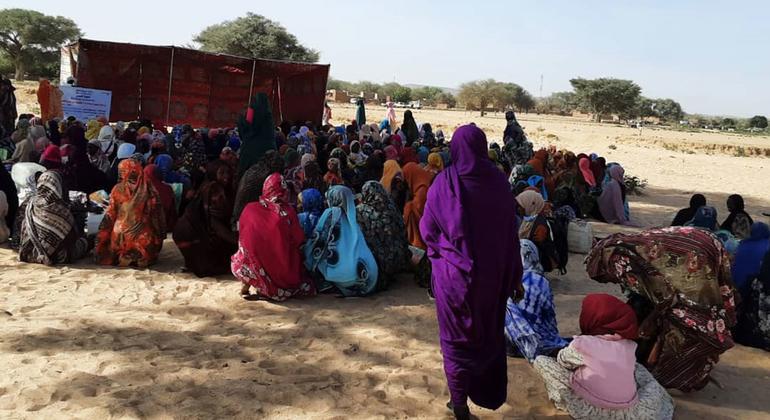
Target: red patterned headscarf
point(275, 189)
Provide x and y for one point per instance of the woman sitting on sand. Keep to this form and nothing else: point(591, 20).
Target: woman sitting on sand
point(705, 218)
point(530, 324)
point(165, 194)
point(338, 251)
point(384, 231)
point(612, 200)
point(134, 226)
point(748, 257)
point(48, 233)
point(753, 327)
point(680, 276)
point(203, 233)
point(393, 182)
point(685, 215)
point(418, 180)
point(738, 222)
point(312, 203)
point(596, 376)
point(534, 227)
point(269, 258)
point(435, 163)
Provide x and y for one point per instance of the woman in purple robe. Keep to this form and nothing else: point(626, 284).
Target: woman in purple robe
point(470, 228)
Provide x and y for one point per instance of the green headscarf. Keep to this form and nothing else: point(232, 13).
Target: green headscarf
point(258, 134)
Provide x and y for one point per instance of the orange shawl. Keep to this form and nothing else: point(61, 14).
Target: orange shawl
point(133, 227)
point(419, 181)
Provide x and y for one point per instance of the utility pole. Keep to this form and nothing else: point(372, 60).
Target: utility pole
point(541, 85)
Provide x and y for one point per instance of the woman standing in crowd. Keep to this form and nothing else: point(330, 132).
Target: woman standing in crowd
point(133, 228)
point(473, 277)
point(269, 258)
point(257, 133)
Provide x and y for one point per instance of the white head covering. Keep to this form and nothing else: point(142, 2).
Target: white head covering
point(106, 133)
point(530, 257)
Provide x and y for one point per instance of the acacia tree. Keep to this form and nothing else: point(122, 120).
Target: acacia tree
point(758, 121)
point(446, 98)
point(606, 96)
point(427, 94)
point(27, 36)
point(560, 103)
point(254, 36)
point(402, 94)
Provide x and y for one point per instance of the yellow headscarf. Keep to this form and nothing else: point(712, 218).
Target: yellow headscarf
point(435, 162)
point(142, 131)
point(389, 171)
point(92, 129)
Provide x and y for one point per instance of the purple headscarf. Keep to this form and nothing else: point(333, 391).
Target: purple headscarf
point(469, 203)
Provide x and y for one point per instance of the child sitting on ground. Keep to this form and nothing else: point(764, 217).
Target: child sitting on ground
point(596, 376)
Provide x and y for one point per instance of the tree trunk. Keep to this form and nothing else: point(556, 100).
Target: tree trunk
point(19, 76)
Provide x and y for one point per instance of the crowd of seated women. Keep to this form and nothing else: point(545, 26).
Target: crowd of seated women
point(289, 210)
point(300, 210)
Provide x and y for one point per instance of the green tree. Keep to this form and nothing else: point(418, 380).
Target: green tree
point(479, 94)
point(645, 107)
point(402, 94)
point(389, 90)
point(727, 123)
point(669, 109)
point(524, 101)
point(606, 96)
point(31, 40)
point(338, 85)
point(758, 121)
point(427, 94)
point(559, 103)
point(254, 36)
point(446, 98)
point(366, 87)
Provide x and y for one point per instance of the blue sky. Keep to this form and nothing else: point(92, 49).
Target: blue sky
point(710, 56)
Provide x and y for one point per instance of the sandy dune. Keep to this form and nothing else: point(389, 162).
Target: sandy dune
point(88, 342)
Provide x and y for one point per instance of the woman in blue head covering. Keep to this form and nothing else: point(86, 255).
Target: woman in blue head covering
point(422, 155)
point(538, 182)
point(312, 207)
point(530, 324)
point(385, 125)
point(338, 251)
point(748, 257)
point(705, 218)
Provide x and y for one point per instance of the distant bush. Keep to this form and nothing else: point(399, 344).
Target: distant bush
point(634, 184)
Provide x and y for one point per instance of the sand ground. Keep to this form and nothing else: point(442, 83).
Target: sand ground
point(88, 342)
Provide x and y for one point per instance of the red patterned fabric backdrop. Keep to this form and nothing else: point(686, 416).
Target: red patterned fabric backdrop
point(174, 85)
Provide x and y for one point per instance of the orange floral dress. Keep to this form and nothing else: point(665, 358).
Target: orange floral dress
point(132, 231)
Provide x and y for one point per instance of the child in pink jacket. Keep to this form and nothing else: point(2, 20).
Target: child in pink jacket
point(596, 376)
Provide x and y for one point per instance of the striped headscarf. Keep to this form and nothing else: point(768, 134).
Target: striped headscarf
point(48, 221)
